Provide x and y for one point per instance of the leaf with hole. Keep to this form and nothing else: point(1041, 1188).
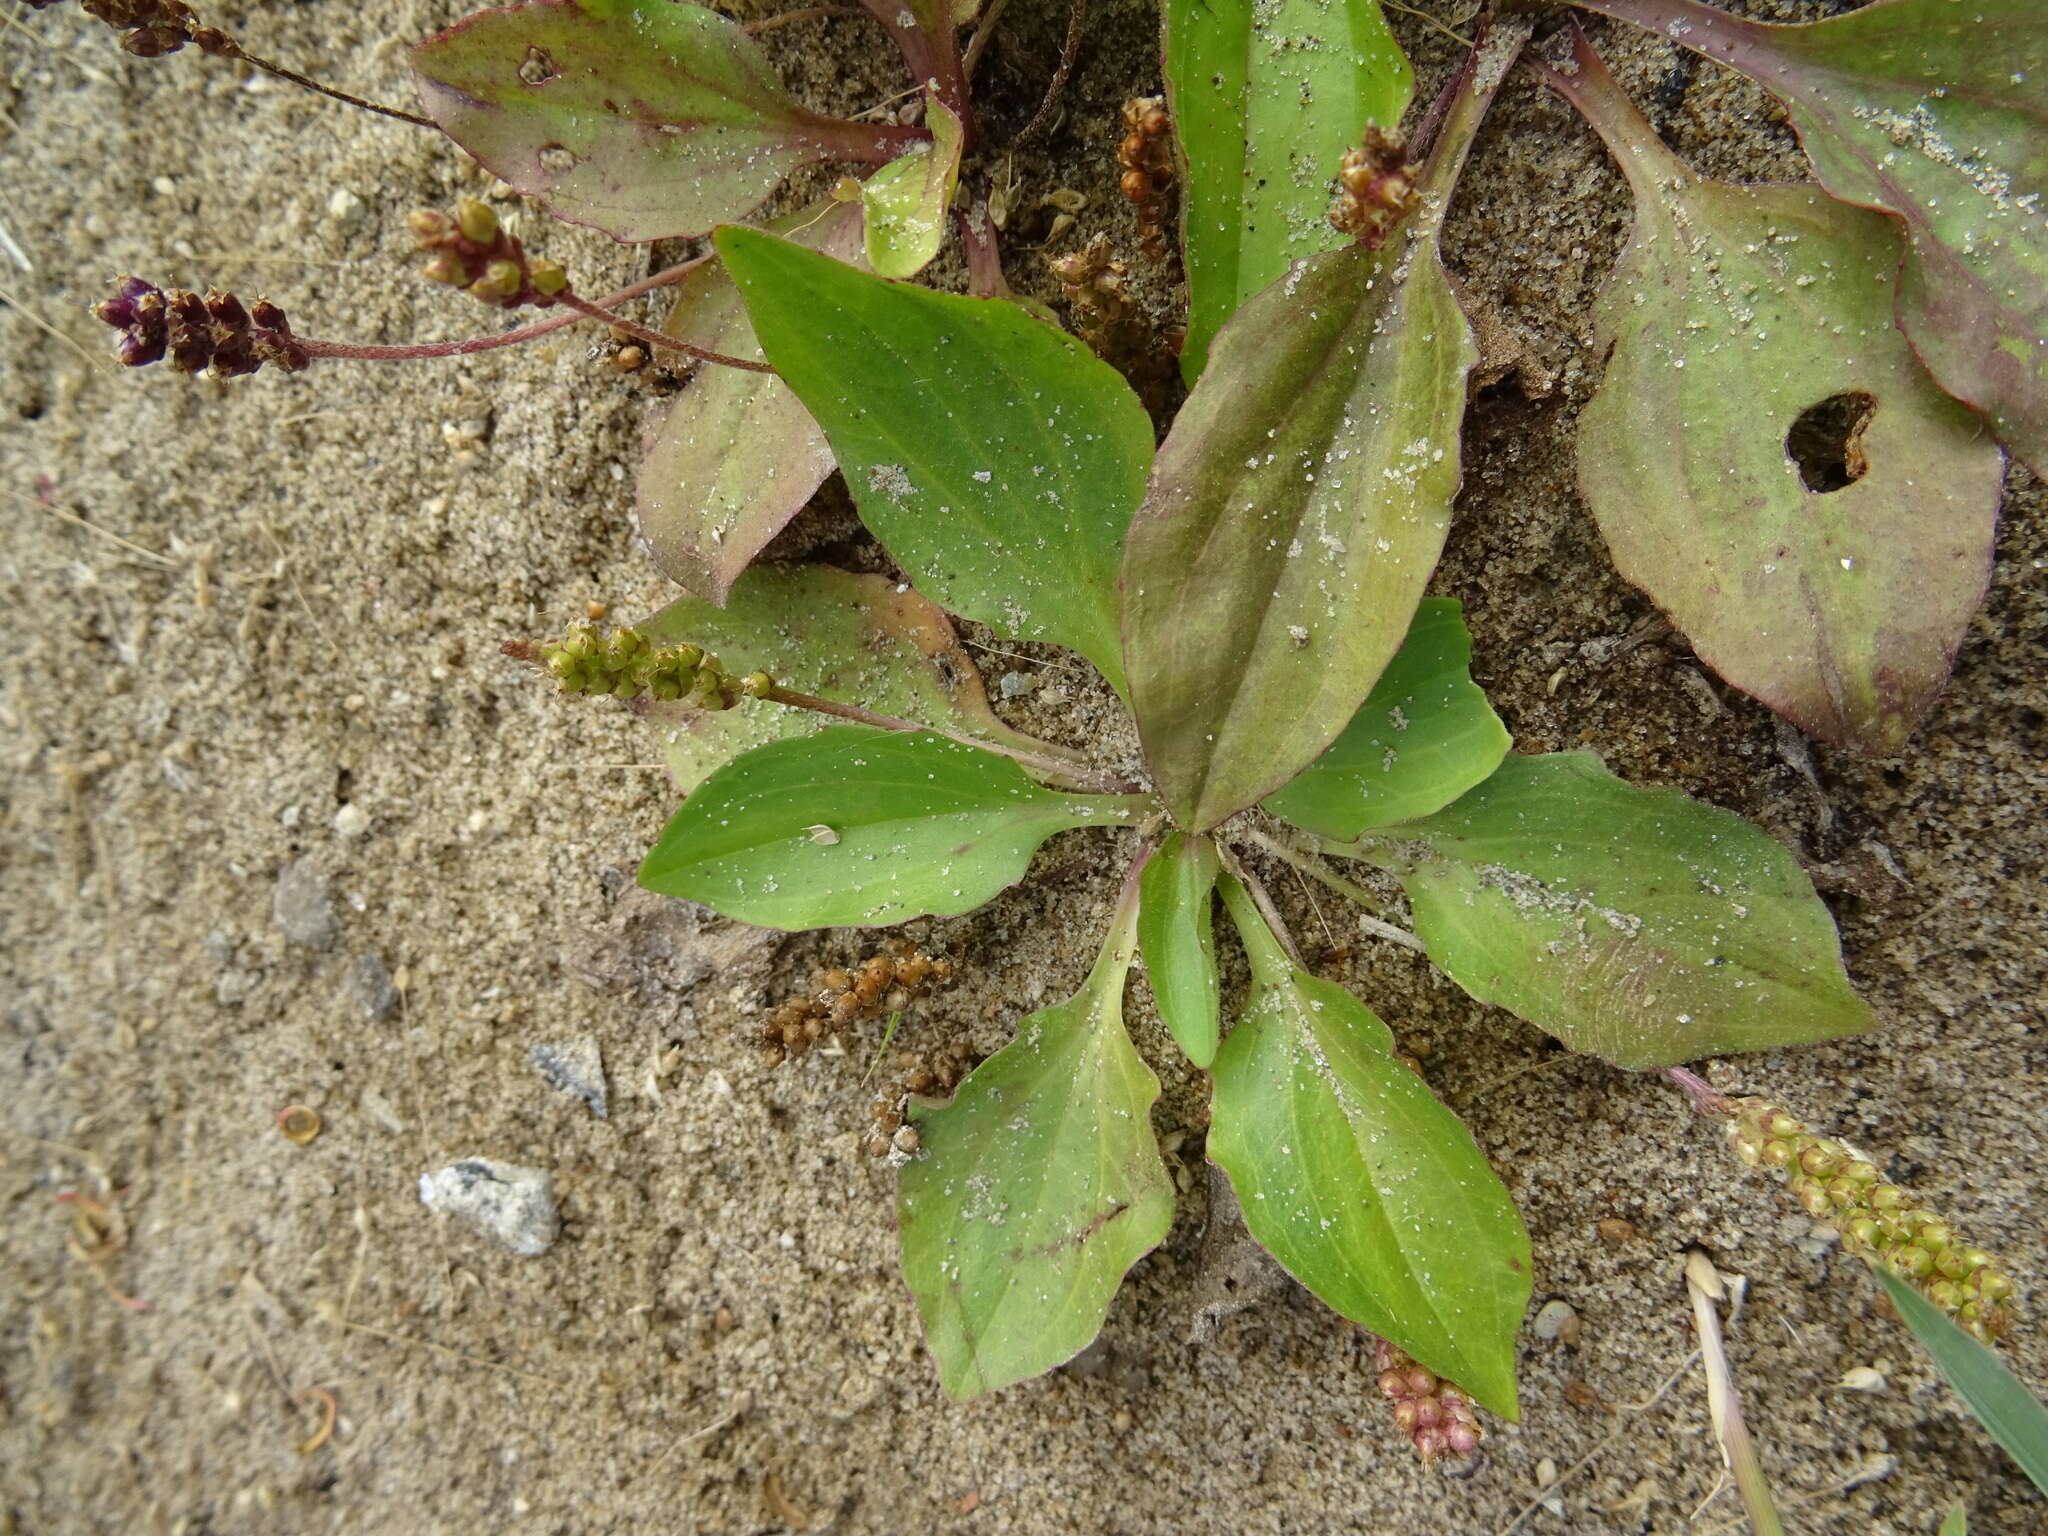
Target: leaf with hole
point(2016, 1418)
point(1037, 1187)
point(737, 455)
point(1266, 96)
point(1936, 112)
point(1365, 1188)
point(922, 825)
point(907, 200)
point(1638, 925)
point(853, 639)
point(1298, 507)
point(1177, 890)
point(1766, 456)
point(646, 118)
point(1423, 736)
point(997, 458)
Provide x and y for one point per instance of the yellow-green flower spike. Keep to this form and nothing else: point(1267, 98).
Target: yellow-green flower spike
point(627, 665)
point(1879, 1222)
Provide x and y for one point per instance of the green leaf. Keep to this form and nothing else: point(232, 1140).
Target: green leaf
point(1175, 934)
point(646, 118)
point(1636, 924)
point(737, 456)
point(1836, 595)
point(1038, 1186)
point(1266, 96)
point(998, 459)
point(1937, 113)
point(1365, 1188)
point(2016, 1418)
point(1424, 736)
point(856, 826)
point(1298, 507)
point(1956, 1522)
point(853, 639)
point(907, 199)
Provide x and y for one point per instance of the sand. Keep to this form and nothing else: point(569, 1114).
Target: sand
point(260, 625)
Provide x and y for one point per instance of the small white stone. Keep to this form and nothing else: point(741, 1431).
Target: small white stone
point(345, 208)
point(1551, 1320)
point(351, 821)
point(515, 1205)
point(1862, 1378)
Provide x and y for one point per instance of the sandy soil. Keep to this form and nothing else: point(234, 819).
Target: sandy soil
point(260, 627)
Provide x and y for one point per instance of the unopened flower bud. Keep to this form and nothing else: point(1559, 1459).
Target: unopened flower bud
point(547, 277)
point(500, 283)
point(428, 226)
point(475, 219)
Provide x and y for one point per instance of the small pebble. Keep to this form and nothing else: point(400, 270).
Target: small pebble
point(302, 907)
point(370, 984)
point(1615, 1230)
point(573, 1067)
point(1552, 1320)
point(1014, 685)
point(1862, 1378)
point(345, 208)
point(514, 1205)
point(351, 821)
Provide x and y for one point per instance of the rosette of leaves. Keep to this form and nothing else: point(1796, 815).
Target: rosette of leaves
point(1254, 590)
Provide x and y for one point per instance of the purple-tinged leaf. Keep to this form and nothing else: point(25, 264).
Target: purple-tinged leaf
point(646, 118)
point(1299, 505)
point(1766, 457)
point(1936, 112)
point(737, 455)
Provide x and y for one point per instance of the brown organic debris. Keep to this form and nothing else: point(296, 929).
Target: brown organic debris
point(888, 982)
point(1110, 321)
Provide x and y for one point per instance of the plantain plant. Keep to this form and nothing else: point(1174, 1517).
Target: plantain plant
point(1253, 591)
point(1795, 453)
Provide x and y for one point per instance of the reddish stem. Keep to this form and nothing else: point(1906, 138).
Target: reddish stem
point(361, 352)
point(642, 334)
point(1706, 1098)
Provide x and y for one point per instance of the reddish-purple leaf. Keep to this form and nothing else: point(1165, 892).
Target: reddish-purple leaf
point(1766, 457)
point(646, 118)
point(737, 456)
point(1936, 112)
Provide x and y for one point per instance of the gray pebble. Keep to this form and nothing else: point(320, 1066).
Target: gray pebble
point(1014, 685)
point(515, 1205)
point(573, 1067)
point(301, 906)
point(1554, 1319)
point(370, 984)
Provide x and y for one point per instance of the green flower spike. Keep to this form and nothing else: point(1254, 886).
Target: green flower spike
point(1879, 1222)
point(627, 665)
